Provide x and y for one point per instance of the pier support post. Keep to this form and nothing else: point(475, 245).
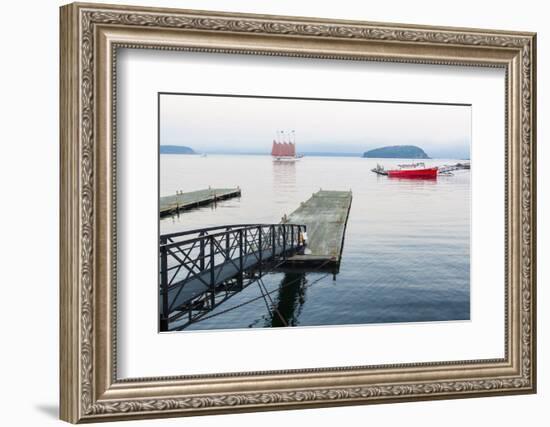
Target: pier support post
point(228, 231)
point(201, 254)
point(241, 258)
point(273, 240)
point(164, 285)
point(212, 274)
point(284, 241)
point(260, 251)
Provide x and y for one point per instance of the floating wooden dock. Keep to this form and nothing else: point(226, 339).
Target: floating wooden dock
point(447, 169)
point(325, 215)
point(184, 201)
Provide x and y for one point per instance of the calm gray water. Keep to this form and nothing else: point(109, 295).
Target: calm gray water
point(406, 255)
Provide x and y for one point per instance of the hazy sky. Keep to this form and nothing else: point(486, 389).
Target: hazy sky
point(249, 125)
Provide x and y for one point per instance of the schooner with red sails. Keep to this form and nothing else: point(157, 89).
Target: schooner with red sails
point(284, 147)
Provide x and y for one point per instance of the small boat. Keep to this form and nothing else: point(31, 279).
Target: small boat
point(379, 170)
point(413, 171)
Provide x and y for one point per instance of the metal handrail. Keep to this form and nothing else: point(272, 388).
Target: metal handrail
point(165, 248)
point(199, 257)
point(226, 227)
point(236, 228)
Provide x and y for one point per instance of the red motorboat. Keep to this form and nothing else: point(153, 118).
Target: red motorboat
point(414, 171)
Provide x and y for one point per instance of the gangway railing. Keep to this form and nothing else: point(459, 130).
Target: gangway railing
point(200, 269)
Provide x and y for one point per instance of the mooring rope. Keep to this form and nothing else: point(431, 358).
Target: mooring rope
point(265, 299)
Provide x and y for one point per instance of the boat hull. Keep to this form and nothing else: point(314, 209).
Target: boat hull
point(428, 173)
point(286, 159)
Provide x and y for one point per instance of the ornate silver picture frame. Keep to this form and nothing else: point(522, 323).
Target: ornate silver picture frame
point(92, 36)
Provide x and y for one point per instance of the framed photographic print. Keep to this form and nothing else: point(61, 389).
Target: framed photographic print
point(266, 212)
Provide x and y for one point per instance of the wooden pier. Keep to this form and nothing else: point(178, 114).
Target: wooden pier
point(200, 269)
point(184, 201)
point(325, 215)
point(447, 169)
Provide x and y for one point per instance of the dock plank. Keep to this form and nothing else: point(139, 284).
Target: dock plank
point(184, 201)
point(325, 215)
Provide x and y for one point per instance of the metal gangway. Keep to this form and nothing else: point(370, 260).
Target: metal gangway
point(201, 269)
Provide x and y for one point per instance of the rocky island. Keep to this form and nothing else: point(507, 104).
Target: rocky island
point(176, 149)
point(397, 152)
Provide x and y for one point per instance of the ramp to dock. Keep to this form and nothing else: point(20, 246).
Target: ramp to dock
point(184, 201)
point(179, 295)
point(325, 215)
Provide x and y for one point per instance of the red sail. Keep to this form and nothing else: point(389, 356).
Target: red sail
point(287, 149)
point(275, 149)
point(283, 149)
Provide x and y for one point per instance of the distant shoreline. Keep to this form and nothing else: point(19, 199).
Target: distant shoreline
point(353, 155)
point(269, 154)
point(176, 149)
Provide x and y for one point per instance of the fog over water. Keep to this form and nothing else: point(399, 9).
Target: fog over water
point(212, 124)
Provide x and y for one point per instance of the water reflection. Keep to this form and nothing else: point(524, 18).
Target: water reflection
point(290, 300)
point(284, 174)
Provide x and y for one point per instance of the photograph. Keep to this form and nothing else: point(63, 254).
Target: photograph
point(269, 209)
point(281, 211)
